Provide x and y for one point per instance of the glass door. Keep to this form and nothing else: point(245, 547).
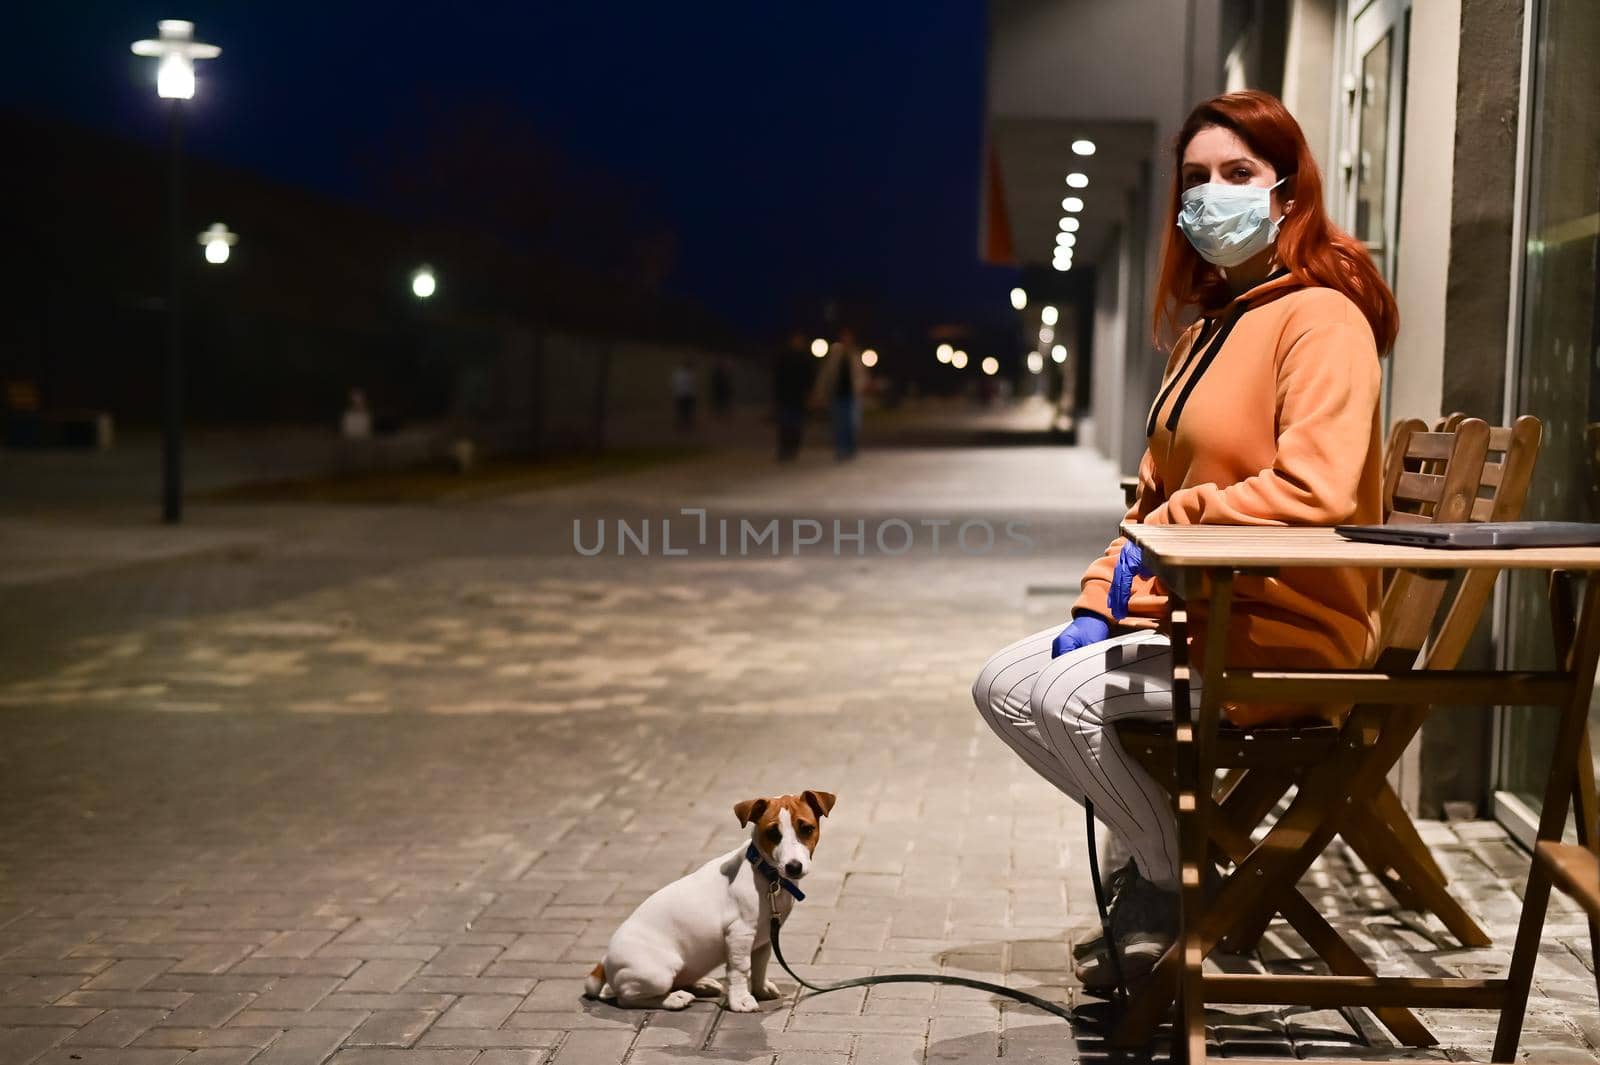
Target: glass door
point(1556, 370)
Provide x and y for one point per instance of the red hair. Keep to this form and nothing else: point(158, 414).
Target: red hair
point(1312, 248)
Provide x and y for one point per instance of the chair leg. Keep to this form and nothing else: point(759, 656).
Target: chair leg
point(1145, 1010)
point(1397, 866)
point(1587, 804)
point(1529, 931)
point(1392, 812)
point(1245, 808)
point(1368, 841)
point(1299, 836)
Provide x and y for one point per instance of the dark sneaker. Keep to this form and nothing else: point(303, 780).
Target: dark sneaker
point(1144, 924)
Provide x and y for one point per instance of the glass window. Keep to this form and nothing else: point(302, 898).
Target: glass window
point(1558, 363)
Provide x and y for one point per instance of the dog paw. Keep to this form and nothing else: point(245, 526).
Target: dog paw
point(706, 988)
point(767, 992)
point(678, 1000)
point(742, 1002)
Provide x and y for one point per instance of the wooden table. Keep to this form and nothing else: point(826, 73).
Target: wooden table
point(1201, 561)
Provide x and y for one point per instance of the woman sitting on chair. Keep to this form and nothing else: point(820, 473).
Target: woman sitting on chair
point(1268, 414)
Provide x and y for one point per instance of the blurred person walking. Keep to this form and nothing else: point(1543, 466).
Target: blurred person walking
point(791, 387)
point(684, 395)
point(721, 388)
point(842, 385)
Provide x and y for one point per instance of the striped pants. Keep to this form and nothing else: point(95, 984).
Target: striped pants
point(1057, 715)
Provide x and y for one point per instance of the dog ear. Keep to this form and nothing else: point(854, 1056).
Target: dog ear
point(749, 810)
point(819, 801)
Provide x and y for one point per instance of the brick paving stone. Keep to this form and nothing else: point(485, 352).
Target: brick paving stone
point(392, 1028)
point(220, 1056)
point(490, 1037)
point(203, 1038)
point(374, 1056)
point(593, 1048)
point(382, 975)
point(302, 1046)
point(295, 993)
point(116, 1028)
point(18, 1046)
point(479, 1011)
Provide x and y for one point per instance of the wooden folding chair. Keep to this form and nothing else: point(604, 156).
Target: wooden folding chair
point(1384, 836)
point(1437, 476)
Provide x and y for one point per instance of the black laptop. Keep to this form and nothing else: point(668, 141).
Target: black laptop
point(1478, 534)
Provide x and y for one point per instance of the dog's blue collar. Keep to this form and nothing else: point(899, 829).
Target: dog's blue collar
point(754, 857)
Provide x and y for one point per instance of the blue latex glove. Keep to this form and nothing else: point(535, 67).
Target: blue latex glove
point(1130, 564)
point(1082, 632)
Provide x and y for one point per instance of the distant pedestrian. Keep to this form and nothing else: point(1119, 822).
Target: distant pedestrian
point(684, 395)
point(721, 388)
point(791, 386)
point(842, 385)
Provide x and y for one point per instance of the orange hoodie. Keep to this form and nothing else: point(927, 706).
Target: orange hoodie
point(1279, 425)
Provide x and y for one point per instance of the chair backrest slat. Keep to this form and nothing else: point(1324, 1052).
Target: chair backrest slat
point(1426, 445)
point(1420, 487)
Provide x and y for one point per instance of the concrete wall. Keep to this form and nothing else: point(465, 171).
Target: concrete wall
point(1426, 195)
point(1309, 88)
point(1110, 332)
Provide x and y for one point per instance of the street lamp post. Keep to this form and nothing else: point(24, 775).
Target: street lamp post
point(176, 50)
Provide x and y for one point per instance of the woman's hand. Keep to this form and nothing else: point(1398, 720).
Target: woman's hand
point(1130, 564)
point(1083, 631)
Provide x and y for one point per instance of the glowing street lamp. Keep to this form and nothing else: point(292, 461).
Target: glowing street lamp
point(175, 50)
point(1072, 204)
point(943, 352)
point(1035, 362)
point(217, 240)
point(869, 358)
point(1059, 353)
point(819, 348)
point(423, 283)
point(1049, 315)
point(1019, 299)
point(958, 359)
point(1083, 147)
point(991, 365)
point(1078, 180)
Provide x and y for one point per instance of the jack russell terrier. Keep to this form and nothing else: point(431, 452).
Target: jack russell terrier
point(663, 955)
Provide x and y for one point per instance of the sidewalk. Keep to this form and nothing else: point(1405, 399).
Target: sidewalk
point(379, 788)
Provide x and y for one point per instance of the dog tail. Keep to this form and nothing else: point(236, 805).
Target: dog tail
point(595, 983)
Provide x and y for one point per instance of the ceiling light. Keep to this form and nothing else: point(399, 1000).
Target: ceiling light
point(1083, 147)
point(1066, 240)
point(959, 360)
point(1019, 298)
point(1072, 205)
point(1059, 353)
point(1062, 265)
point(1078, 180)
point(943, 352)
point(1035, 362)
point(1046, 335)
point(991, 365)
point(819, 347)
point(869, 358)
point(1070, 225)
point(1049, 315)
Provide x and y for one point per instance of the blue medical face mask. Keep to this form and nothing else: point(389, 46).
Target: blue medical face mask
point(1228, 224)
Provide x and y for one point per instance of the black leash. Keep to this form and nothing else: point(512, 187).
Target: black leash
point(1105, 913)
point(914, 978)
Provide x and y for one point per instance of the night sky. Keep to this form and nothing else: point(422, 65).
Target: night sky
point(826, 149)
